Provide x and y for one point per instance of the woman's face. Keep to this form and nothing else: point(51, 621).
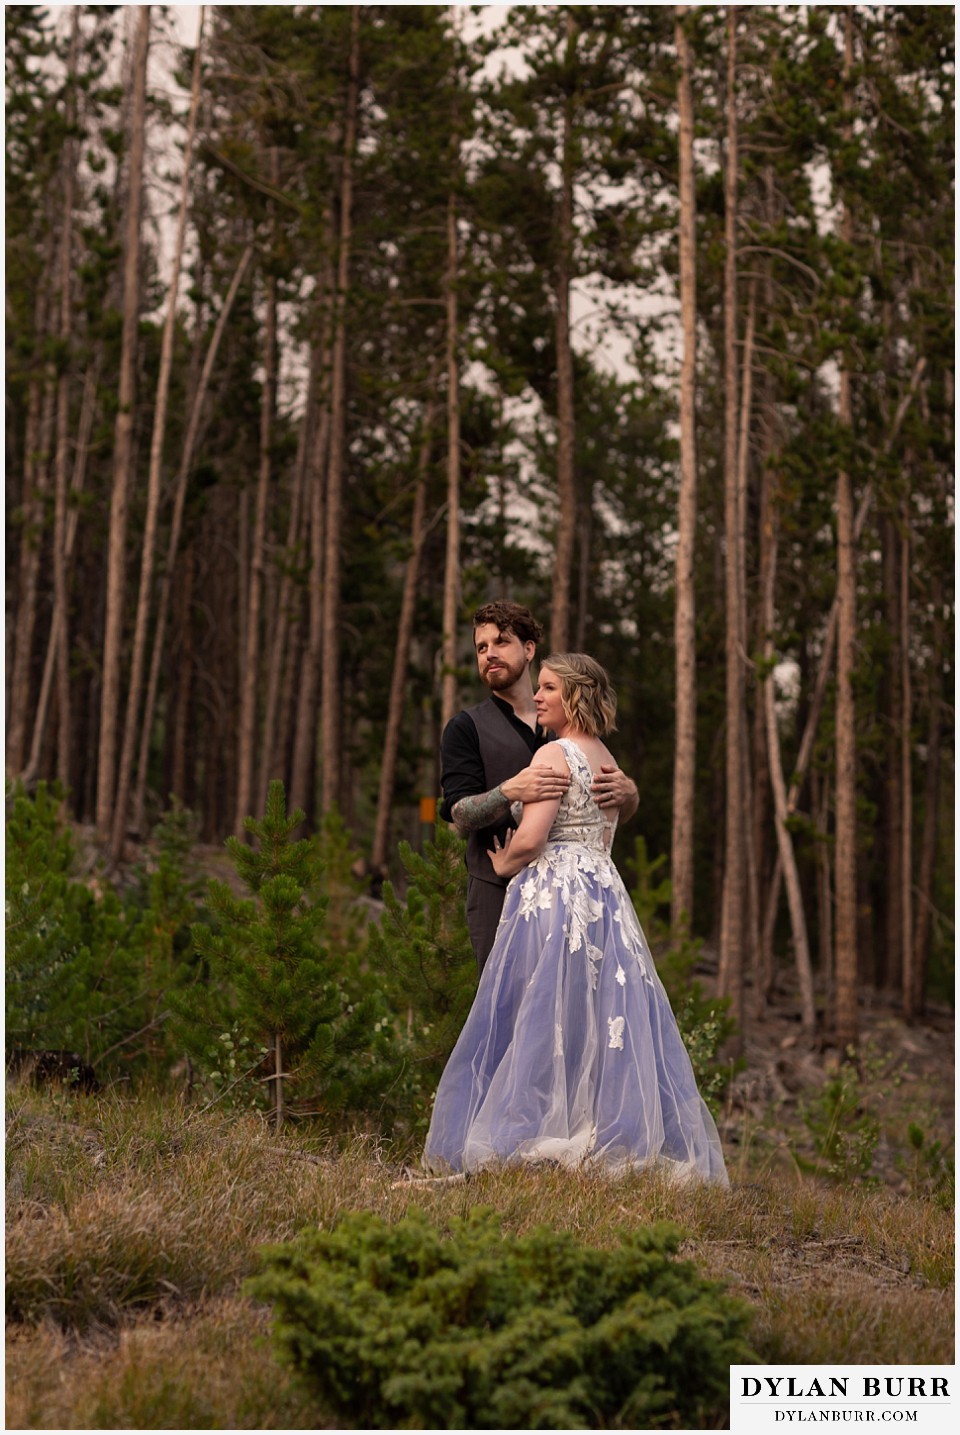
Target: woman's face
point(550, 713)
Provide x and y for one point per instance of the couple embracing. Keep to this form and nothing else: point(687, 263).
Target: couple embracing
point(571, 1052)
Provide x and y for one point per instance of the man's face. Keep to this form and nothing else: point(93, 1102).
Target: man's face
point(501, 657)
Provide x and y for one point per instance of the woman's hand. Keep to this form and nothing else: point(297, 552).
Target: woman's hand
point(500, 855)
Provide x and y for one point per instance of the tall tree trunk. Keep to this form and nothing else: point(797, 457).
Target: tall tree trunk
point(583, 586)
point(566, 487)
point(87, 409)
point(845, 882)
point(287, 601)
point(821, 819)
point(154, 480)
point(752, 916)
point(250, 675)
point(910, 985)
point(890, 962)
point(732, 919)
point(305, 726)
point(330, 690)
point(798, 923)
point(304, 744)
point(451, 574)
point(401, 657)
point(828, 651)
point(761, 757)
point(931, 802)
point(60, 595)
point(685, 631)
point(36, 479)
point(176, 524)
point(123, 443)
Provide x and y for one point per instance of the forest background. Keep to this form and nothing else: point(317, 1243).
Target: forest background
point(650, 327)
point(319, 333)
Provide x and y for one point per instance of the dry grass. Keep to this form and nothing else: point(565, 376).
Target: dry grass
point(211, 1368)
point(132, 1226)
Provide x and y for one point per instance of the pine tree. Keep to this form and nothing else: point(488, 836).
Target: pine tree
point(268, 980)
point(422, 948)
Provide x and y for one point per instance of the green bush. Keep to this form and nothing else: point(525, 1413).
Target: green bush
point(87, 970)
point(420, 952)
point(395, 1326)
point(264, 1010)
point(845, 1130)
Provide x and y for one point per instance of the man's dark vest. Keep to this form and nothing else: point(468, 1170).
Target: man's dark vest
point(504, 754)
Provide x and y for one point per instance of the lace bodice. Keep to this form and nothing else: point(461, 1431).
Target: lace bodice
point(578, 818)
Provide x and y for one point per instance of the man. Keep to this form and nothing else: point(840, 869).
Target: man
point(485, 757)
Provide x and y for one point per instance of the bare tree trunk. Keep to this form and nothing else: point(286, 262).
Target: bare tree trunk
point(250, 675)
point(330, 692)
point(35, 485)
point(451, 574)
point(846, 1016)
point(123, 443)
point(931, 809)
point(830, 637)
point(154, 479)
point(176, 524)
point(583, 587)
point(287, 606)
point(761, 756)
point(732, 919)
point(182, 740)
point(566, 486)
point(305, 728)
point(910, 985)
point(685, 632)
point(87, 408)
point(62, 467)
point(304, 746)
point(752, 918)
point(798, 923)
point(401, 657)
point(821, 817)
point(891, 950)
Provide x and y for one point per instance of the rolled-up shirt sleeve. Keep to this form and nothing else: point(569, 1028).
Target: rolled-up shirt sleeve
point(461, 766)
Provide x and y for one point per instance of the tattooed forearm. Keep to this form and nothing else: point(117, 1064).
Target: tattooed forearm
point(484, 810)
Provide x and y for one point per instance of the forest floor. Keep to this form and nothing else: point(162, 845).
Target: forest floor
point(132, 1224)
point(134, 1220)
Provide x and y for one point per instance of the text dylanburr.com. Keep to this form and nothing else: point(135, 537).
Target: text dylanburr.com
point(767, 1398)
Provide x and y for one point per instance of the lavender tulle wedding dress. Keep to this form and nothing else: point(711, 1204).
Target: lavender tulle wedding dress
point(571, 1052)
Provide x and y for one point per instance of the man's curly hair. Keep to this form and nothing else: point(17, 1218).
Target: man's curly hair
point(509, 618)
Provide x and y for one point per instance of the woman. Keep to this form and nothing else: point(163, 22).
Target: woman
point(571, 1052)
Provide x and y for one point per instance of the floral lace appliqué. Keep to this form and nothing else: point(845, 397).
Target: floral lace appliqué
point(615, 1025)
point(575, 869)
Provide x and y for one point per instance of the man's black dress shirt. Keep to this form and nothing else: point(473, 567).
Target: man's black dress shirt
point(461, 765)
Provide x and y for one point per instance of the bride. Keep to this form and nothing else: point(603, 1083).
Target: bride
point(571, 1052)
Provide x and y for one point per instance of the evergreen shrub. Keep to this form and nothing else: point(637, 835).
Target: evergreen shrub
point(397, 1326)
point(264, 1012)
point(86, 968)
point(421, 953)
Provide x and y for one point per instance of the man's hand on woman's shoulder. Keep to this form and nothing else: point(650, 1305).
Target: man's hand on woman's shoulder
point(540, 782)
point(612, 788)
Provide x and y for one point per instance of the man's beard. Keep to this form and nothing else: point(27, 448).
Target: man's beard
point(501, 677)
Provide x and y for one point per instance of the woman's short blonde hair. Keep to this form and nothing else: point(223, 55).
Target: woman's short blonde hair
point(589, 701)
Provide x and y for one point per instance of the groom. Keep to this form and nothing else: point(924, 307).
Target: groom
point(485, 755)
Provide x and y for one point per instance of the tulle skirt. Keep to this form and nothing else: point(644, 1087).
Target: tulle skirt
point(571, 1052)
